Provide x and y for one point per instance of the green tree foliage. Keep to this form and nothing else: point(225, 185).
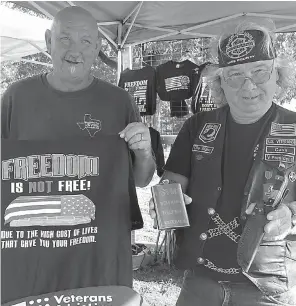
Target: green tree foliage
point(285, 44)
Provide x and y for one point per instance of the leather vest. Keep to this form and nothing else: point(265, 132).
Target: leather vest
point(274, 267)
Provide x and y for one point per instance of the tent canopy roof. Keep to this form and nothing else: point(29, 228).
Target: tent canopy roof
point(133, 22)
point(21, 34)
point(172, 16)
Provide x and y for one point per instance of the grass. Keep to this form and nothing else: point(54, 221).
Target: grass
point(158, 283)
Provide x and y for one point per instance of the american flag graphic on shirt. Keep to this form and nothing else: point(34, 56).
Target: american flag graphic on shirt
point(177, 83)
point(139, 95)
point(42, 207)
point(278, 129)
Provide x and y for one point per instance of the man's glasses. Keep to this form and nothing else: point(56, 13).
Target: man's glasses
point(259, 76)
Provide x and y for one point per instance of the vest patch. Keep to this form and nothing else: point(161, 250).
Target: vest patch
point(281, 141)
point(209, 132)
point(278, 129)
point(279, 158)
point(268, 175)
point(280, 150)
point(202, 149)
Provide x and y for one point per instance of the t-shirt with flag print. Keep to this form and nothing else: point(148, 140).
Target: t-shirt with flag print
point(174, 80)
point(141, 85)
point(66, 215)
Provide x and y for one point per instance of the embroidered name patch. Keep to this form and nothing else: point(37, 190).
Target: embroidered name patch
point(278, 129)
point(209, 132)
point(202, 149)
point(279, 158)
point(280, 141)
point(280, 150)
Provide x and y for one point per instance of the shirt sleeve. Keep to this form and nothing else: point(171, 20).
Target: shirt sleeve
point(179, 160)
point(6, 106)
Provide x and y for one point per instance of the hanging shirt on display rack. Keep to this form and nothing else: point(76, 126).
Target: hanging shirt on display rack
point(201, 99)
point(174, 84)
point(141, 85)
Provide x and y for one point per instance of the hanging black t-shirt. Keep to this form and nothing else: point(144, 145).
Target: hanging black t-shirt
point(224, 229)
point(197, 88)
point(201, 100)
point(141, 85)
point(65, 210)
point(174, 80)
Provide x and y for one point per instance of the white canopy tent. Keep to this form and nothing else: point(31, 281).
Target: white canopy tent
point(127, 23)
point(21, 34)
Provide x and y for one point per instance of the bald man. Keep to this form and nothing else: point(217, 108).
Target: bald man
point(69, 102)
point(53, 104)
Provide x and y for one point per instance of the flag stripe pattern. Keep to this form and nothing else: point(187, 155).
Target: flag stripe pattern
point(283, 129)
point(141, 94)
point(177, 83)
point(49, 206)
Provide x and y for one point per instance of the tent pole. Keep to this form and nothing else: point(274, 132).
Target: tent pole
point(198, 34)
point(70, 3)
point(38, 48)
point(286, 28)
point(119, 55)
point(271, 16)
point(40, 9)
point(130, 55)
point(118, 65)
point(150, 27)
point(130, 14)
point(212, 22)
point(132, 23)
point(107, 37)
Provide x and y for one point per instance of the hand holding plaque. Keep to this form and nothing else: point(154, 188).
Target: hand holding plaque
point(167, 206)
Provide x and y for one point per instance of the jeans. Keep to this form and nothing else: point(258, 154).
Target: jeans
point(201, 291)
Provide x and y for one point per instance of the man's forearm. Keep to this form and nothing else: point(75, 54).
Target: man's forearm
point(144, 167)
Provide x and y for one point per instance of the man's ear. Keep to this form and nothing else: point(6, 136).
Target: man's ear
point(48, 40)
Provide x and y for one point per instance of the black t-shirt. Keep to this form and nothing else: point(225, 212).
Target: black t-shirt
point(65, 216)
point(174, 80)
point(141, 85)
point(32, 110)
point(220, 249)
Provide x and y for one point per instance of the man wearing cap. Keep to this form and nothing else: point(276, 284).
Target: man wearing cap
point(237, 167)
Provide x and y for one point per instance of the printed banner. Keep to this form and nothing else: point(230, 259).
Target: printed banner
point(95, 296)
